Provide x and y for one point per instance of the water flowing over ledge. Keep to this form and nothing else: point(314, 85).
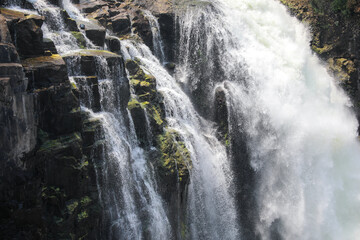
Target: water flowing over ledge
point(245, 135)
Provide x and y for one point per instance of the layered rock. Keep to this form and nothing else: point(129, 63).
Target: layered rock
point(48, 187)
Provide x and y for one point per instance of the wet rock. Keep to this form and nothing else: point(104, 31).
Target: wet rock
point(167, 30)
point(89, 92)
point(80, 39)
point(97, 36)
point(144, 86)
point(28, 36)
point(142, 27)
point(69, 22)
point(221, 115)
point(138, 115)
point(59, 110)
point(121, 24)
point(174, 163)
point(113, 44)
point(45, 71)
point(49, 45)
point(86, 61)
point(89, 6)
point(14, 71)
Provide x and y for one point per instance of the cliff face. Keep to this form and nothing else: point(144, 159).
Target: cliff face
point(335, 32)
point(48, 188)
point(49, 146)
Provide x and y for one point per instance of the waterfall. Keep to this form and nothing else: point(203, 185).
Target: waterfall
point(157, 41)
point(282, 162)
point(299, 132)
point(211, 212)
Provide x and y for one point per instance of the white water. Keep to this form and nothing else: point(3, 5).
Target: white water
point(157, 41)
point(301, 133)
point(211, 211)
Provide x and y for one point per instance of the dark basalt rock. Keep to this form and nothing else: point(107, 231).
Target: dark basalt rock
point(59, 110)
point(27, 35)
point(89, 92)
point(221, 115)
point(49, 45)
point(45, 71)
point(142, 27)
point(120, 24)
point(97, 36)
point(113, 44)
point(167, 30)
point(8, 54)
point(138, 115)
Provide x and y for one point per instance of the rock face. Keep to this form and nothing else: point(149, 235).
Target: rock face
point(49, 146)
point(335, 38)
point(47, 184)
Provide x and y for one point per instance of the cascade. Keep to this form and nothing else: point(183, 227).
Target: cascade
point(270, 137)
point(211, 212)
point(299, 141)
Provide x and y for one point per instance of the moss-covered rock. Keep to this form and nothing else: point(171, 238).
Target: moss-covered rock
point(175, 161)
point(80, 39)
point(147, 100)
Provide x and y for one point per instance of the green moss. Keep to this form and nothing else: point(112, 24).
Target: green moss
point(71, 206)
point(133, 103)
point(134, 82)
point(83, 215)
point(322, 50)
point(59, 143)
point(175, 157)
point(85, 201)
point(80, 39)
point(144, 84)
point(156, 116)
point(39, 61)
point(91, 53)
point(342, 68)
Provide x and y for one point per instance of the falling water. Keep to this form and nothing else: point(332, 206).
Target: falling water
point(300, 132)
point(211, 211)
point(157, 41)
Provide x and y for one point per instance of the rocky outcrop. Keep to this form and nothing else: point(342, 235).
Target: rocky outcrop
point(335, 38)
